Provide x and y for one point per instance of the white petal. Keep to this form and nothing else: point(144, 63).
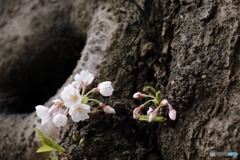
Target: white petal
point(105, 88)
point(60, 120)
point(172, 114)
point(84, 116)
point(85, 78)
point(42, 112)
point(75, 117)
point(43, 121)
point(56, 100)
point(86, 107)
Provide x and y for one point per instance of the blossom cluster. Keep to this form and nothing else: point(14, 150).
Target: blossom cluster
point(153, 114)
point(74, 103)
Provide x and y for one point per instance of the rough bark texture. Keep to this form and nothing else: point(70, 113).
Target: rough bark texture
point(170, 45)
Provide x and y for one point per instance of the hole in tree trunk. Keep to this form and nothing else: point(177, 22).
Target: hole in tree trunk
point(40, 77)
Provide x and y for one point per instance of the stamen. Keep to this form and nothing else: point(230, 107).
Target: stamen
point(73, 97)
point(79, 109)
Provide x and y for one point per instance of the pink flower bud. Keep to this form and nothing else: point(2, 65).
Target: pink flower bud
point(172, 112)
point(150, 110)
point(153, 114)
point(58, 104)
point(108, 109)
point(138, 95)
point(137, 110)
point(164, 102)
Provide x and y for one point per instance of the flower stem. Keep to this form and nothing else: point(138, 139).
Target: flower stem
point(83, 90)
point(94, 100)
point(66, 111)
point(89, 93)
point(150, 96)
point(147, 102)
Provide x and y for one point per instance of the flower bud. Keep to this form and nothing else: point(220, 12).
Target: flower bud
point(106, 88)
point(153, 114)
point(60, 120)
point(138, 95)
point(164, 102)
point(137, 110)
point(108, 109)
point(172, 112)
point(58, 104)
point(150, 110)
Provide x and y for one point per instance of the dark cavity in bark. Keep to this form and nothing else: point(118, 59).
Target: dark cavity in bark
point(50, 67)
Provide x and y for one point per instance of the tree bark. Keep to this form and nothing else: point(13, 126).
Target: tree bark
point(187, 49)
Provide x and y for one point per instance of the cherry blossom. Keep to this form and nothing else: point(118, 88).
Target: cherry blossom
point(85, 78)
point(60, 120)
point(105, 88)
point(56, 107)
point(42, 112)
point(71, 96)
point(79, 112)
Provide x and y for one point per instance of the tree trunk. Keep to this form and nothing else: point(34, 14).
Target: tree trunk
point(187, 49)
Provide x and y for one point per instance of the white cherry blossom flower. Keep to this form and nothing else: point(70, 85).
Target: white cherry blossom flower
point(60, 120)
point(56, 107)
point(71, 96)
point(79, 112)
point(85, 78)
point(42, 112)
point(105, 88)
point(172, 112)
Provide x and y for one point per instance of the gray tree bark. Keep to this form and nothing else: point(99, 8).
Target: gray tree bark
point(187, 49)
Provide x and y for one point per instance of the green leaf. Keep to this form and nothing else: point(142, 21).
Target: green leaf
point(44, 149)
point(149, 88)
point(158, 96)
point(146, 118)
point(74, 138)
point(159, 119)
point(81, 142)
point(48, 144)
